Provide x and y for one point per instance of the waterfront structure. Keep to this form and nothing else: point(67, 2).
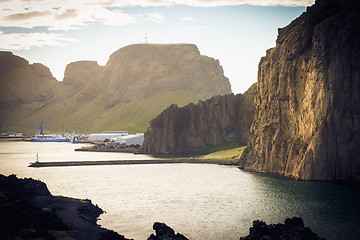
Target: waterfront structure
point(133, 139)
point(99, 137)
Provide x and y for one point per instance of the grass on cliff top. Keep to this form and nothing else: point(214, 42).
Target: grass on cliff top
point(229, 155)
point(215, 148)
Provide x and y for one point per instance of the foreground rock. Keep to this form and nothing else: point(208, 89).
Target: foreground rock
point(293, 229)
point(163, 232)
point(29, 211)
point(307, 120)
point(210, 122)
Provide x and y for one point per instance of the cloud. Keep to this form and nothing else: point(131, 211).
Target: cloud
point(186, 19)
point(62, 14)
point(196, 28)
point(70, 14)
point(154, 17)
point(218, 3)
point(25, 16)
point(25, 41)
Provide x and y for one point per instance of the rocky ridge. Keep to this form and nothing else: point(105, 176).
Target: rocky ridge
point(210, 122)
point(307, 118)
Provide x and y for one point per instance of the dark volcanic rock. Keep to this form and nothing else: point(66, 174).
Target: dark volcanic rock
point(293, 229)
point(210, 122)
point(29, 211)
point(163, 232)
point(307, 120)
point(19, 216)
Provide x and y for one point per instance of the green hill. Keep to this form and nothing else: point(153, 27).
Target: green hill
point(137, 83)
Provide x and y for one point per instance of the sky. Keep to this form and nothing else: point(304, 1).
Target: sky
point(58, 32)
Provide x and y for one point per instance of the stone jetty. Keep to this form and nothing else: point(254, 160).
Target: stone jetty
point(130, 162)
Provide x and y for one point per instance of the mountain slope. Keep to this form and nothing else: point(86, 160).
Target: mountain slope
point(138, 82)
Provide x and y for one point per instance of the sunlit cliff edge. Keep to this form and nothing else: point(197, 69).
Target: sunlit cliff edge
point(137, 83)
point(307, 120)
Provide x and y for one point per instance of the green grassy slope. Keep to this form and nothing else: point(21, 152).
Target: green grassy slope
point(136, 85)
point(93, 116)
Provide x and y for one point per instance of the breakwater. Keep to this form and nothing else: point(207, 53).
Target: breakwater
point(130, 162)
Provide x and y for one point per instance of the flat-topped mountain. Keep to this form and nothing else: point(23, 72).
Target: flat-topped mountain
point(137, 83)
point(137, 71)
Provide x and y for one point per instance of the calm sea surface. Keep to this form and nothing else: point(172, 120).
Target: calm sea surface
point(200, 201)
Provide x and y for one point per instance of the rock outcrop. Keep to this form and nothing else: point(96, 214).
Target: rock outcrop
point(29, 211)
point(84, 73)
point(307, 120)
point(210, 122)
point(164, 232)
point(293, 228)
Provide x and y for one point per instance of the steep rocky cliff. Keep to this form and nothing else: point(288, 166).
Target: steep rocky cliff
point(210, 122)
point(307, 121)
point(137, 83)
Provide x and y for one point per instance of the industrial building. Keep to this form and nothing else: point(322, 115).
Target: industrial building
point(99, 137)
point(133, 139)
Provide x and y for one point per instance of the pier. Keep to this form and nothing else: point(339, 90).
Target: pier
point(129, 162)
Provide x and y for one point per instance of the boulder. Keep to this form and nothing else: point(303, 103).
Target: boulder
point(164, 232)
point(293, 229)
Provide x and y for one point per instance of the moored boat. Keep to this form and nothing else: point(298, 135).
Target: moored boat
point(49, 138)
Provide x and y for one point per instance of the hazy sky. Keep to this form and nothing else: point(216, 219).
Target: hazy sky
point(55, 33)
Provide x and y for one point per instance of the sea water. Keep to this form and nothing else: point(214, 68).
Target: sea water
point(201, 201)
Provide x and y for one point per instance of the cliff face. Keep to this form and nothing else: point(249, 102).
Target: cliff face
point(210, 122)
point(137, 83)
point(307, 117)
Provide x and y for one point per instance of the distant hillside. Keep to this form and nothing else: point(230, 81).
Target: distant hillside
point(137, 83)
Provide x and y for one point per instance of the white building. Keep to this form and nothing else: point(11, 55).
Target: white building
point(99, 137)
point(132, 139)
